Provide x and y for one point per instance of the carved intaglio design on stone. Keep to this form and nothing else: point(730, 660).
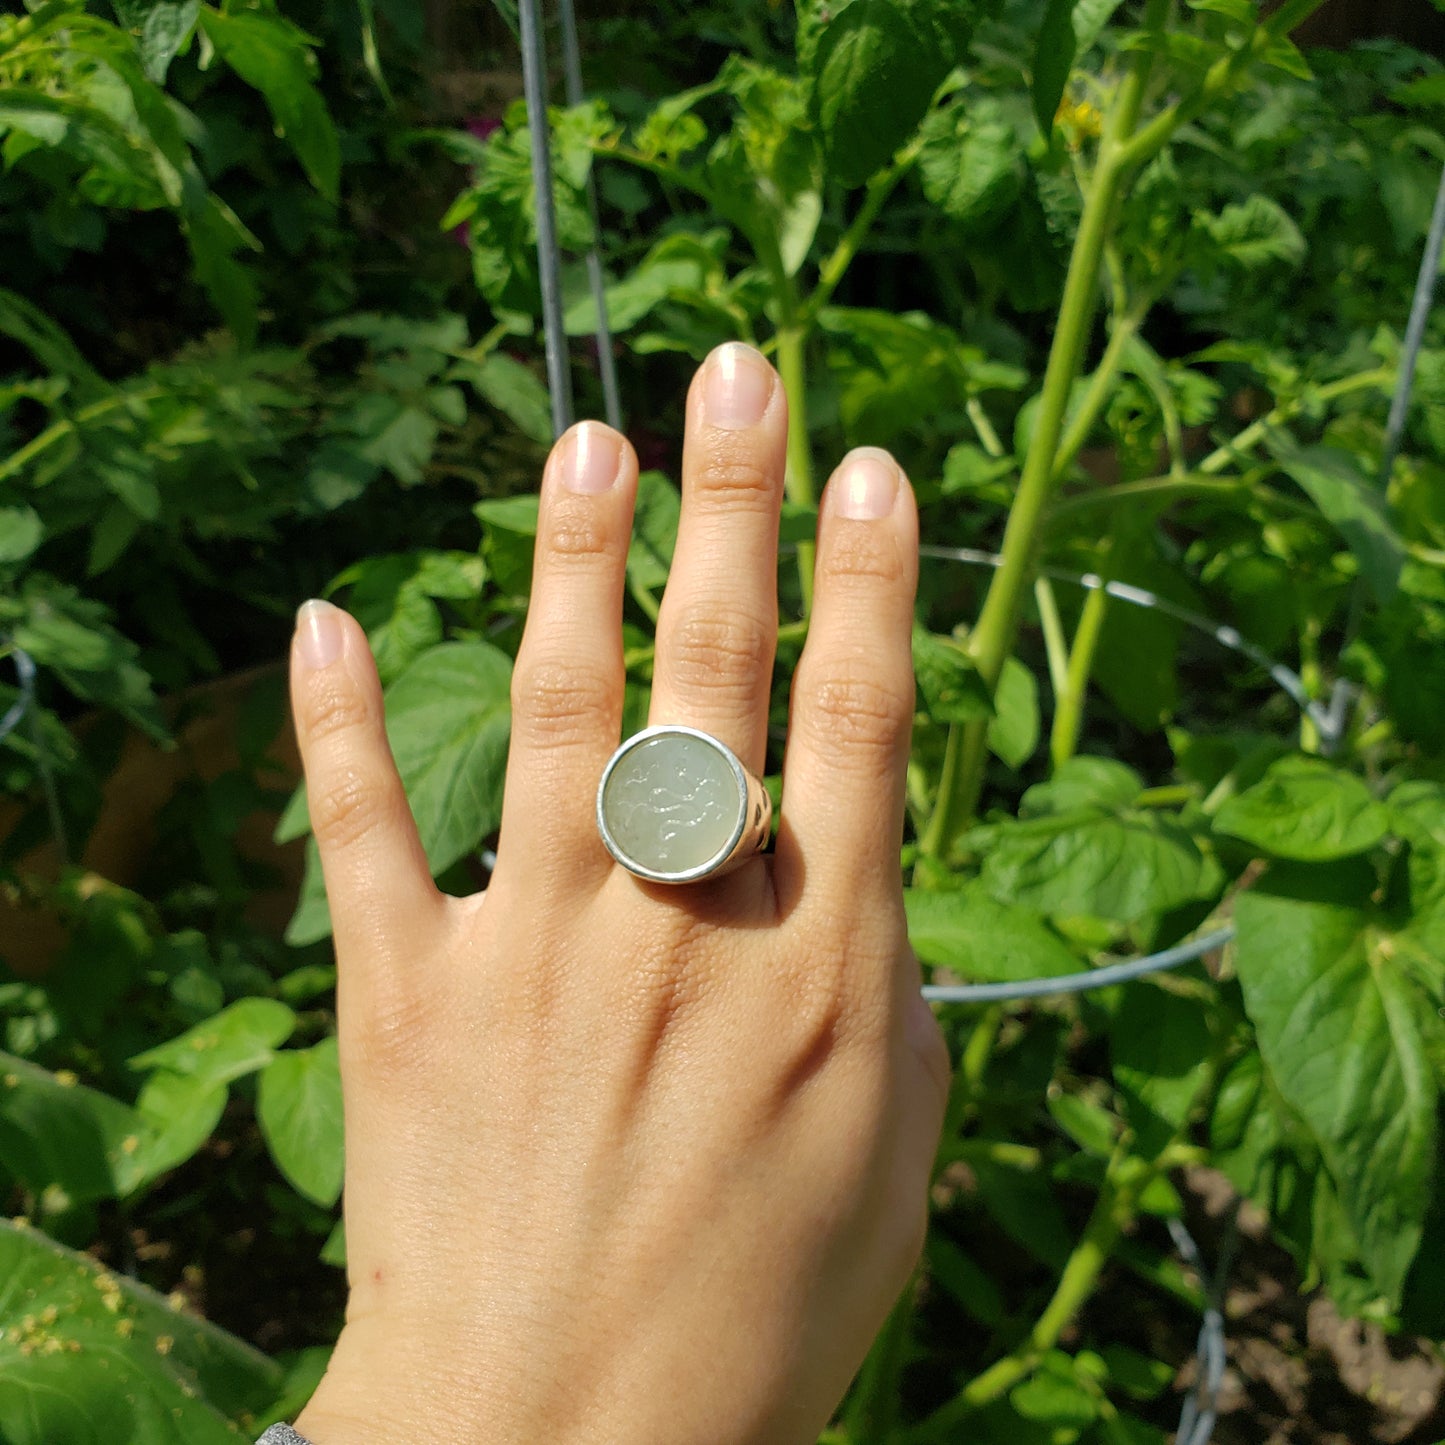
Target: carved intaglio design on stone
point(673, 803)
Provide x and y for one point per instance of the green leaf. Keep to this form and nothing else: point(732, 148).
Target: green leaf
point(979, 938)
point(1093, 1129)
point(1090, 18)
point(1136, 1374)
point(676, 265)
point(950, 685)
point(1161, 1049)
point(513, 389)
point(971, 164)
point(92, 1358)
point(1304, 808)
point(1121, 866)
point(175, 1115)
point(271, 55)
point(1337, 1021)
point(1054, 1395)
point(298, 1105)
point(448, 717)
point(874, 65)
point(73, 637)
point(1053, 60)
point(1240, 11)
point(21, 532)
point(1013, 731)
point(1080, 783)
point(971, 1287)
point(654, 531)
point(161, 28)
point(400, 437)
point(57, 1132)
point(392, 598)
point(237, 1041)
point(1255, 233)
point(1337, 484)
point(1025, 1207)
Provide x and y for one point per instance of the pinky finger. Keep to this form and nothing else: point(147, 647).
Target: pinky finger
point(377, 879)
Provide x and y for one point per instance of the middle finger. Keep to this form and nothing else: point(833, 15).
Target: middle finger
point(718, 625)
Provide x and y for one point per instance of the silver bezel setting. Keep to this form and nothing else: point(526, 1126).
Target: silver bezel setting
point(724, 855)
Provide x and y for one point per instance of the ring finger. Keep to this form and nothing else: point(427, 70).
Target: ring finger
point(719, 619)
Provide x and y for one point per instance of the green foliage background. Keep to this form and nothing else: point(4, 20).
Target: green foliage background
point(1120, 283)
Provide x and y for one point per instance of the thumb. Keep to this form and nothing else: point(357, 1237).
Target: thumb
point(377, 879)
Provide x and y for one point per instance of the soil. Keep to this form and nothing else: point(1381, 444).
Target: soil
point(1298, 1374)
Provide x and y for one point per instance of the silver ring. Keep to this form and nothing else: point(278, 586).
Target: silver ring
point(675, 805)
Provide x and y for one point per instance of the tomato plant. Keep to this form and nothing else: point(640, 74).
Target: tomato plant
point(1121, 284)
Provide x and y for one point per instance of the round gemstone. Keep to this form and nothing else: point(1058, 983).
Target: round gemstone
point(673, 803)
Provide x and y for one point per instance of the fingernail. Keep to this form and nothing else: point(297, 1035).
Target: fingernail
point(595, 460)
point(319, 638)
point(738, 386)
point(867, 485)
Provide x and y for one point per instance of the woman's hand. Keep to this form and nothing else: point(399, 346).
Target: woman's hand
point(627, 1162)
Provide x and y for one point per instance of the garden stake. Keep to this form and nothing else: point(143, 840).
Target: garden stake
point(549, 262)
point(606, 362)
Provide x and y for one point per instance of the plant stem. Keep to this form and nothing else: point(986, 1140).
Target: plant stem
point(1152, 138)
point(1311, 675)
point(1096, 398)
point(1056, 647)
point(1069, 714)
point(961, 782)
point(645, 600)
point(60, 429)
point(987, 436)
point(792, 367)
point(1150, 486)
point(999, 1151)
point(1256, 431)
point(836, 266)
point(1173, 795)
point(1113, 1211)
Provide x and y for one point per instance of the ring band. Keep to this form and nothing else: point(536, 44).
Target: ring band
point(675, 805)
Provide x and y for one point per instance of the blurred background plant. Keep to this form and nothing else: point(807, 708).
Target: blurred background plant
point(1122, 284)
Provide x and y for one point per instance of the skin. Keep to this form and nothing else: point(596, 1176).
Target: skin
point(624, 1162)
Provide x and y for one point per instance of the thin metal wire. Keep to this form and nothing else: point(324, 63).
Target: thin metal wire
point(549, 260)
point(1088, 978)
point(15, 714)
point(1415, 334)
point(1329, 719)
point(25, 675)
point(1330, 722)
point(1201, 1407)
point(606, 362)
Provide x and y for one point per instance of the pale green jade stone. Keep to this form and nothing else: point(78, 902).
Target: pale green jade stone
point(673, 803)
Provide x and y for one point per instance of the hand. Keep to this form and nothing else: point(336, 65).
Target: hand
point(627, 1162)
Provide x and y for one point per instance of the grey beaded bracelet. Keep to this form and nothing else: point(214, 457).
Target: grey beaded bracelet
point(282, 1435)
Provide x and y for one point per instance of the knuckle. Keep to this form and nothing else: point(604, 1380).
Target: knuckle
point(711, 650)
point(819, 1020)
point(869, 552)
point(345, 806)
point(396, 1031)
point(558, 701)
point(576, 533)
point(853, 712)
point(735, 476)
point(332, 709)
